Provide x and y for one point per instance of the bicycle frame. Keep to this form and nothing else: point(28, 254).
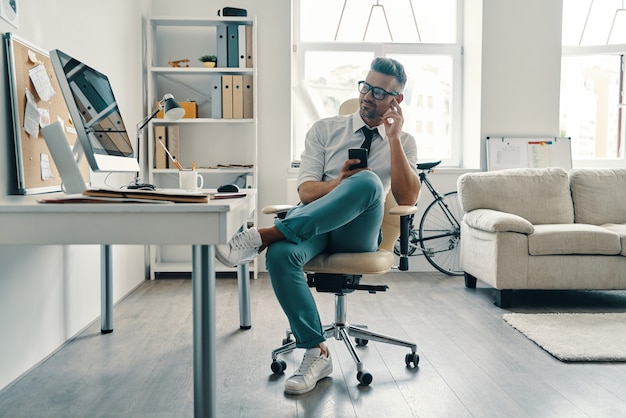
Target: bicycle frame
point(439, 198)
point(439, 227)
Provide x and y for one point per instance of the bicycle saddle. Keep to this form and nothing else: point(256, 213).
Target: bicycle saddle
point(428, 166)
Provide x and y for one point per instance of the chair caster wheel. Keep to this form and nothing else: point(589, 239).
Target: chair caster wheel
point(278, 366)
point(364, 377)
point(361, 342)
point(412, 358)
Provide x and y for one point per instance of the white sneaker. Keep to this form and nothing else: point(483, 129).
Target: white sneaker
point(241, 248)
point(315, 366)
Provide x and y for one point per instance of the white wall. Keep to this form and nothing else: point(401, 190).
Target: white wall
point(520, 68)
point(50, 293)
point(47, 294)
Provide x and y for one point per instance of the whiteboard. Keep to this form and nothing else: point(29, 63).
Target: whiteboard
point(538, 152)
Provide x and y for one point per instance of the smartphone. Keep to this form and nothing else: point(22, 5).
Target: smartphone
point(361, 154)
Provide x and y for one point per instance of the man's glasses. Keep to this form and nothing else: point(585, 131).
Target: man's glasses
point(378, 92)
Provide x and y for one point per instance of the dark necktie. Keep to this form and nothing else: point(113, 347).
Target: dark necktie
point(369, 134)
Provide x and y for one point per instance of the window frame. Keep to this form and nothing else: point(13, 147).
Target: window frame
point(454, 51)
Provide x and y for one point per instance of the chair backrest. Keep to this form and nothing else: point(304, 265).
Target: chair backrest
point(349, 106)
point(391, 223)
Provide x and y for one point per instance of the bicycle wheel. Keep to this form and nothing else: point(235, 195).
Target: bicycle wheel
point(440, 234)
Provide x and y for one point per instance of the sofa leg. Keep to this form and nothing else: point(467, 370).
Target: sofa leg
point(470, 281)
point(504, 298)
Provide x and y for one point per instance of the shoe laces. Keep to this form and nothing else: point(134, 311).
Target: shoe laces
point(243, 241)
point(307, 363)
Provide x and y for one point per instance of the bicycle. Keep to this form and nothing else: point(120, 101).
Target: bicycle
point(439, 235)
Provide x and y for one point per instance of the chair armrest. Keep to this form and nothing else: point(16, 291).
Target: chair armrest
point(275, 209)
point(403, 210)
point(495, 221)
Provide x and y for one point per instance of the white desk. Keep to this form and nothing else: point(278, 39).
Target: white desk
point(24, 221)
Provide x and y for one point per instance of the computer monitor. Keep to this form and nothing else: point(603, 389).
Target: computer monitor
point(95, 115)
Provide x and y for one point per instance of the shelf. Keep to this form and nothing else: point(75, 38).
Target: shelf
point(184, 267)
point(224, 170)
point(192, 121)
point(191, 21)
point(209, 140)
point(200, 70)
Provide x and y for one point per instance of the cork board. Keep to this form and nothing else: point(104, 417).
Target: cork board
point(32, 77)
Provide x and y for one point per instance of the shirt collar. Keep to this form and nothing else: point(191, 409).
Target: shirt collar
point(358, 123)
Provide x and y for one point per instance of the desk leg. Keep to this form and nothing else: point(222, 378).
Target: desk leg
point(106, 290)
point(243, 280)
point(204, 356)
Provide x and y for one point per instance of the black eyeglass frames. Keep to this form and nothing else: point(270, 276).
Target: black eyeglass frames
point(379, 93)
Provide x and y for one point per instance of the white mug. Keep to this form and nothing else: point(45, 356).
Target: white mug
point(190, 180)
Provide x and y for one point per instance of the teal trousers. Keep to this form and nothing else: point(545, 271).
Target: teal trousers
point(347, 219)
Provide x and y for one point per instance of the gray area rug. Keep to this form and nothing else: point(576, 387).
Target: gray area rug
point(575, 336)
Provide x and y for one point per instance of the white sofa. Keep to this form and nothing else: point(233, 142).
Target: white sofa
point(544, 229)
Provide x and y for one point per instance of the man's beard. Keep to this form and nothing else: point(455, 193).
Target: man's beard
point(369, 112)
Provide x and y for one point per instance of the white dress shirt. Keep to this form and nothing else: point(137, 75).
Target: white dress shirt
point(326, 149)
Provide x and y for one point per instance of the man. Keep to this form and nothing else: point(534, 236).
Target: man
point(342, 208)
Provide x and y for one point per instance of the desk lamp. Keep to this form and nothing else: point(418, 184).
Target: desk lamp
point(172, 111)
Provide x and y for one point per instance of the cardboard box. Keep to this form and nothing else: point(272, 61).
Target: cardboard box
point(191, 110)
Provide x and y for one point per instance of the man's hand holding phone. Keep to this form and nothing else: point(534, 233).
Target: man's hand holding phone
point(358, 154)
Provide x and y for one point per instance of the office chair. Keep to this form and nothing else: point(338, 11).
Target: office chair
point(340, 273)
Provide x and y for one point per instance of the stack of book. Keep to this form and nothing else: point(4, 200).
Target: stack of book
point(169, 135)
point(234, 46)
point(231, 94)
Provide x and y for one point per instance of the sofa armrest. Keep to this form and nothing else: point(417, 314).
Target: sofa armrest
point(495, 221)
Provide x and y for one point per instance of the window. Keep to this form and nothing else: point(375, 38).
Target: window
point(592, 108)
point(336, 41)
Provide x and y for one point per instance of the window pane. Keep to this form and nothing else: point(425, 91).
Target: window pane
point(330, 78)
point(391, 20)
point(589, 113)
point(427, 104)
point(587, 22)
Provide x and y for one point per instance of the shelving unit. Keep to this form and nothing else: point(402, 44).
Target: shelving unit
point(224, 149)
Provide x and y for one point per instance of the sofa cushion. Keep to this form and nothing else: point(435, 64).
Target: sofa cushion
point(619, 229)
point(599, 195)
point(573, 239)
point(539, 195)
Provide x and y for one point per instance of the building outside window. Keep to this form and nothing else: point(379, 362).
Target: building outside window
point(335, 42)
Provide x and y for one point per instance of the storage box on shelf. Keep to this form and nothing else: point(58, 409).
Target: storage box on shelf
point(221, 136)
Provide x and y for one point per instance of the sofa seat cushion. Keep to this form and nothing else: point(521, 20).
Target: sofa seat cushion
point(619, 229)
point(539, 195)
point(599, 195)
point(557, 239)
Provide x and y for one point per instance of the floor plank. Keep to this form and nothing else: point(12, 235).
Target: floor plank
point(471, 362)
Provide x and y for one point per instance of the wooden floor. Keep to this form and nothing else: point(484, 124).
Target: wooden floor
point(472, 362)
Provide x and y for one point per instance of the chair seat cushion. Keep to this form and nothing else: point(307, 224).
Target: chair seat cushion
point(351, 263)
